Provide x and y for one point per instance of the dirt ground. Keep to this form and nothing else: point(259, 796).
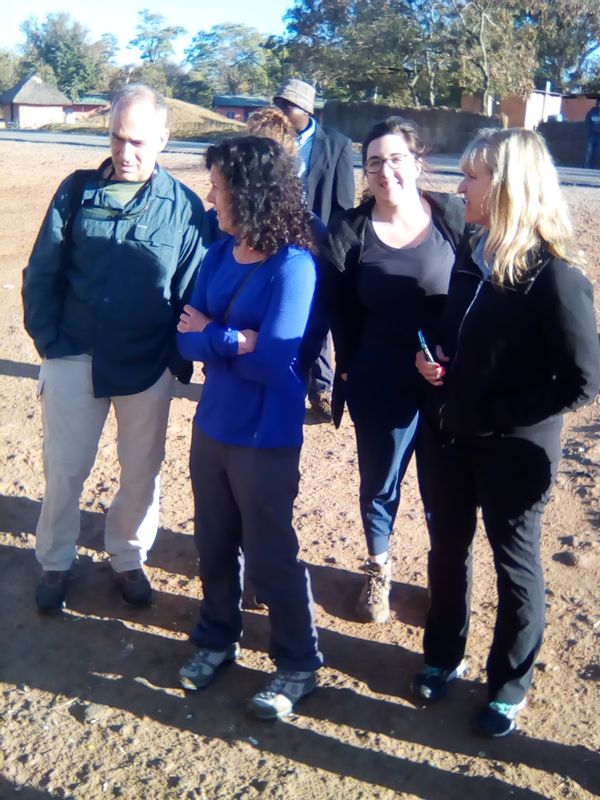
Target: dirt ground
point(91, 707)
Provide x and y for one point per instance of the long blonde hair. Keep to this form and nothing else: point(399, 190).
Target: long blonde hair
point(527, 209)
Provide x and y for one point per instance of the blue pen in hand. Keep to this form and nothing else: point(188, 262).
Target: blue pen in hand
point(428, 354)
point(425, 348)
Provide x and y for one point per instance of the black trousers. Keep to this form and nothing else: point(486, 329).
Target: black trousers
point(243, 500)
point(509, 478)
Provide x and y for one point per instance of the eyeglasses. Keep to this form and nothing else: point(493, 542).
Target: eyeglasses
point(375, 164)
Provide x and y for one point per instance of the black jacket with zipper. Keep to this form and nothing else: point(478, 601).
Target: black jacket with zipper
point(519, 356)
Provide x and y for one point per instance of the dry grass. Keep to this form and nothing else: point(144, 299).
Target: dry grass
point(186, 121)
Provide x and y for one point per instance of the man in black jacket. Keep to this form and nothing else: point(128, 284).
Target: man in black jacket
point(326, 165)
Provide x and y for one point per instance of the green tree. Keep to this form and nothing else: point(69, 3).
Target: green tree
point(568, 37)
point(232, 59)
point(151, 74)
point(355, 49)
point(433, 78)
point(108, 47)
point(9, 69)
point(188, 85)
point(154, 40)
point(495, 48)
point(59, 50)
point(424, 51)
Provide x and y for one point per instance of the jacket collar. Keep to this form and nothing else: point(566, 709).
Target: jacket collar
point(159, 183)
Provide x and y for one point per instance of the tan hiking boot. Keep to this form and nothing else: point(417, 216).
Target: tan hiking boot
point(374, 601)
point(321, 406)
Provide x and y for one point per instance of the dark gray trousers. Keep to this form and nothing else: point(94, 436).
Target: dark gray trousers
point(244, 500)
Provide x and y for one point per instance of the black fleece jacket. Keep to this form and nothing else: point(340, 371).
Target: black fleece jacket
point(520, 355)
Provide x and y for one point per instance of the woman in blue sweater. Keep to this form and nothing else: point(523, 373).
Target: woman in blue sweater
point(245, 321)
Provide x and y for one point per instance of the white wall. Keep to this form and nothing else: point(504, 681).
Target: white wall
point(36, 116)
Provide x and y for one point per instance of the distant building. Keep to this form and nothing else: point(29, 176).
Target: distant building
point(521, 111)
point(532, 109)
point(536, 107)
point(238, 106)
point(88, 104)
point(576, 106)
point(33, 103)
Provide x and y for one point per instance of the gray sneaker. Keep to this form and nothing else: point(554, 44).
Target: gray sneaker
point(199, 671)
point(374, 600)
point(282, 691)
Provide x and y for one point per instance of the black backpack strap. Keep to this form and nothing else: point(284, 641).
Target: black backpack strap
point(78, 181)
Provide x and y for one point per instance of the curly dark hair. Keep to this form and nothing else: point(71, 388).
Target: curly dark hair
point(266, 195)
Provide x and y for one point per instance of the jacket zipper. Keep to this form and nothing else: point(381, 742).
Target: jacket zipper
point(469, 307)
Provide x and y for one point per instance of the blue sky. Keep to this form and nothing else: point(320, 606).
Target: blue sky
point(120, 17)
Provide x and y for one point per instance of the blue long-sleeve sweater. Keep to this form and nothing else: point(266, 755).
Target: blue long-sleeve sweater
point(256, 399)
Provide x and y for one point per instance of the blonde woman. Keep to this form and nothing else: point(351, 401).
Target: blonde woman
point(518, 349)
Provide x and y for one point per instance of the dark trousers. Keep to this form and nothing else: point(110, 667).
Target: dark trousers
point(320, 373)
point(384, 453)
point(510, 478)
point(243, 499)
point(592, 148)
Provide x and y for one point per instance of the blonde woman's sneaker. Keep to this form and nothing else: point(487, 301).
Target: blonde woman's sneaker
point(374, 600)
point(498, 719)
point(199, 671)
point(281, 693)
point(431, 684)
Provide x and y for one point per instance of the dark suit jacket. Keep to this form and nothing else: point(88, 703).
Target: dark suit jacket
point(330, 180)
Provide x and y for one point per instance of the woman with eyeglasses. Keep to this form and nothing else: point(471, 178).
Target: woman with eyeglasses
point(389, 267)
point(245, 322)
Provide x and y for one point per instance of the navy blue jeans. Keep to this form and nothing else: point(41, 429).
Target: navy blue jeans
point(383, 458)
point(243, 500)
point(385, 429)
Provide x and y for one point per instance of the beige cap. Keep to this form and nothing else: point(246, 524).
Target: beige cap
point(299, 93)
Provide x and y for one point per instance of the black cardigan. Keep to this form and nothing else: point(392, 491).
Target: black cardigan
point(342, 254)
point(519, 355)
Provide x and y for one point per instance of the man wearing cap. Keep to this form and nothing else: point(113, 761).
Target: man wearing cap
point(328, 173)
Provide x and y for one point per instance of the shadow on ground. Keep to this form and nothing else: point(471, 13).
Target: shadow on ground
point(145, 663)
